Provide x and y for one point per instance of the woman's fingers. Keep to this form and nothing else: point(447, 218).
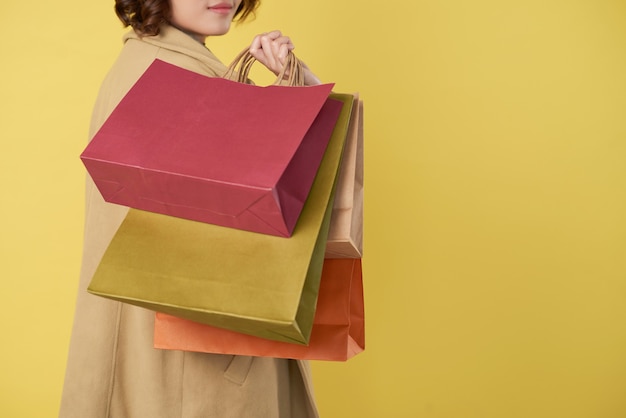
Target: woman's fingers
point(268, 51)
point(255, 45)
point(282, 53)
point(271, 49)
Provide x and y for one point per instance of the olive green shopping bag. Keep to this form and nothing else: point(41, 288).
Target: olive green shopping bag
point(257, 284)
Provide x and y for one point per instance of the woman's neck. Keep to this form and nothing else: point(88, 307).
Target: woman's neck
point(196, 36)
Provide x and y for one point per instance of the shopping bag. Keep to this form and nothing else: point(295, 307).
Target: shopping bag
point(252, 283)
point(213, 150)
point(345, 237)
point(338, 327)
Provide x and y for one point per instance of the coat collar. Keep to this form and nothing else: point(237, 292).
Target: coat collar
point(176, 40)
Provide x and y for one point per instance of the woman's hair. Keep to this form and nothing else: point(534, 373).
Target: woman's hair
point(145, 16)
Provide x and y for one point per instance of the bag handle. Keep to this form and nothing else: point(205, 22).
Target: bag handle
point(292, 73)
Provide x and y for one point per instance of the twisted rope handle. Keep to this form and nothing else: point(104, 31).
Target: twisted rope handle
point(292, 73)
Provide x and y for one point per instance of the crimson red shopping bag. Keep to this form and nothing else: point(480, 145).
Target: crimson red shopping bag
point(213, 150)
point(338, 327)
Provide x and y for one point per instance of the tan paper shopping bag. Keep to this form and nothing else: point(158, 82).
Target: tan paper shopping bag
point(345, 237)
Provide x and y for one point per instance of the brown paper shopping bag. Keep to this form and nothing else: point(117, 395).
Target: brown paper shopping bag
point(338, 328)
point(345, 237)
point(248, 282)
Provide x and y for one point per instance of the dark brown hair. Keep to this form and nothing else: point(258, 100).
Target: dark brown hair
point(145, 16)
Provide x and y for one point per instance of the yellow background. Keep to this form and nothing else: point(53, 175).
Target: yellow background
point(495, 260)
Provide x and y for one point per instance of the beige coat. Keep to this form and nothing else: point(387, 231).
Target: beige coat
point(113, 369)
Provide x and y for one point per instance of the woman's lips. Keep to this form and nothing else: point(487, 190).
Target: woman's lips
point(221, 8)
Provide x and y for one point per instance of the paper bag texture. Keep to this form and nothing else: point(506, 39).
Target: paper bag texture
point(345, 237)
point(213, 150)
point(252, 283)
point(338, 327)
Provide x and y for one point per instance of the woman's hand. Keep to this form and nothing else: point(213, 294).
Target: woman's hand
point(271, 50)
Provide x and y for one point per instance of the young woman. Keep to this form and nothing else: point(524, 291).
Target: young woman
point(113, 371)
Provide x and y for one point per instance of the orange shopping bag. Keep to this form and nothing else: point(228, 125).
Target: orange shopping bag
point(338, 327)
